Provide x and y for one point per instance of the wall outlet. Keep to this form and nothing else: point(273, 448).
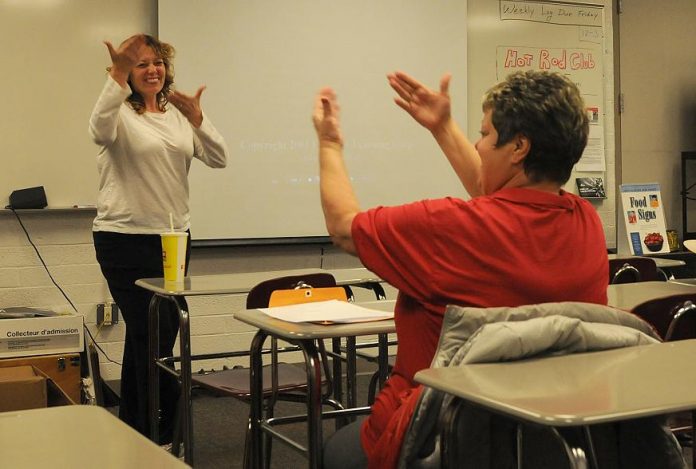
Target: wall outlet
point(104, 315)
point(114, 313)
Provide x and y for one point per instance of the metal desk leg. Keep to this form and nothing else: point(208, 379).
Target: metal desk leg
point(576, 456)
point(519, 442)
point(185, 376)
point(337, 381)
point(256, 458)
point(383, 358)
point(153, 374)
point(449, 417)
point(351, 374)
point(315, 440)
point(590, 446)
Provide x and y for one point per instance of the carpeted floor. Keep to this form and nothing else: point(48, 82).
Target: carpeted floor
point(219, 425)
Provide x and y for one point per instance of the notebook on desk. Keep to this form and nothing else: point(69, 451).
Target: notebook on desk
point(327, 312)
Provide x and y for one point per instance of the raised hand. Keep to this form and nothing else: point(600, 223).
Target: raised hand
point(428, 107)
point(190, 106)
point(326, 116)
point(125, 57)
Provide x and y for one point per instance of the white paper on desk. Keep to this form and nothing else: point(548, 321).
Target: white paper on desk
point(332, 311)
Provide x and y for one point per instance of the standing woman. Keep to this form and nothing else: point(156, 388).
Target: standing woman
point(144, 157)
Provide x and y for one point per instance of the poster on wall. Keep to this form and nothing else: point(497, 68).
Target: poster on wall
point(644, 218)
point(581, 60)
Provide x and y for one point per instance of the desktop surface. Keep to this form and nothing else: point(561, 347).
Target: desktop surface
point(579, 389)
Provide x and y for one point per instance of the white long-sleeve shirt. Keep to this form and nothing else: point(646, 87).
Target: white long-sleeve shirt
point(143, 163)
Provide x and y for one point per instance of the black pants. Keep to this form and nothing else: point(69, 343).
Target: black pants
point(343, 449)
point(125, 258)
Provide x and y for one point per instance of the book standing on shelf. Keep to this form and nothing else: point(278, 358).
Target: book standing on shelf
point(644, 218)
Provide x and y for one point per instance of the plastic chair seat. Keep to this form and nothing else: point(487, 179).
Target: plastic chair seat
point(235, 381)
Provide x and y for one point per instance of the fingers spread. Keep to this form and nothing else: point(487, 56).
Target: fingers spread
point(407, 81)
point(398, 86)
point(403, 104)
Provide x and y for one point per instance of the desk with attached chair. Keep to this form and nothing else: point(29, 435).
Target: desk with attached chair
point(208, 285)
point(576, 390)
point(303, 335)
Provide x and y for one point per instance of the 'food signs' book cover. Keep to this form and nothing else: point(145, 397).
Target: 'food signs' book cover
point(644, 218)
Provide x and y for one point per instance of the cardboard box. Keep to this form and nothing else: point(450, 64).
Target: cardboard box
point(22, 337)
point(63, 369)
point(25, 387)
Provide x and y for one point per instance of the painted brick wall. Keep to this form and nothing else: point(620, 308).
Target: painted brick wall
point(64, 239)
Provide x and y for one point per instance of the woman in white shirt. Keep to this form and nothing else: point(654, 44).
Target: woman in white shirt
point(145, 151)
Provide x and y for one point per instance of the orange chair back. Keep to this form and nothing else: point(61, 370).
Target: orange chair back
point(306, 295)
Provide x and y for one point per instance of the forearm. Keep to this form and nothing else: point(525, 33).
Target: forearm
point(338, 199)
point(209, 145)
point(104, 119)
point(462, 156)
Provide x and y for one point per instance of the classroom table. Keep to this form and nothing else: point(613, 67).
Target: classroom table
point(660, 262)
point(577, 389)
point(76, 436)
point(627, 296)
point(207, 285)
point(303, 335)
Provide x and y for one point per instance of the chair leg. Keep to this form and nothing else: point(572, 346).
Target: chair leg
point(246, 464)
point(247, 445)
point(176, 437)
point(372, 388)
point(267, 439)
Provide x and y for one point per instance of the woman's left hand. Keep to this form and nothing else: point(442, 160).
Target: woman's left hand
point(326, 117)
point(190, 106)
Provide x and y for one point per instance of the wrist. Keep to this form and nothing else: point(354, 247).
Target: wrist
point(197, 121)
point(330, 143)
point(120, 76)
point(442, 128)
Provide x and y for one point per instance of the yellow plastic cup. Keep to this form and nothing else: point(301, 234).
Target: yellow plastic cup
point(174, 256)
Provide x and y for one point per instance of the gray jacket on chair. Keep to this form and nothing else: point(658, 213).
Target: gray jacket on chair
point(487, 440)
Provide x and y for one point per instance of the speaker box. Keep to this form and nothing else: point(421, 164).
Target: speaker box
point(33, 197)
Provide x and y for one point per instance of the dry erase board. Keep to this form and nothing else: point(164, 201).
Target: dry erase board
point(263, 61)
point(53, 67)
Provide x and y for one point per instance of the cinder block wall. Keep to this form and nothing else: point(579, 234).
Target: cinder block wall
point(64, 239)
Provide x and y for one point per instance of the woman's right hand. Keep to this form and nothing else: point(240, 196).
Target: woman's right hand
point(429, 108)
point(125, 58)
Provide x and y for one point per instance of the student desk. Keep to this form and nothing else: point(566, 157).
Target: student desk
point(76, 436)
point(206, 285)
point(303, 335)
point(627, 296)
point(660, 262)
point(578, 389)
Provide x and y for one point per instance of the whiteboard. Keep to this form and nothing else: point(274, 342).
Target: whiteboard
point(264, 60)
point(53, 67)
point(262, 67)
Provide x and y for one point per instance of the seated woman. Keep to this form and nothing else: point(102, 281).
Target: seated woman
point(521, 239)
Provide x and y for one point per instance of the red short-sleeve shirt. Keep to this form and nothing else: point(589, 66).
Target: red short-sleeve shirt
point(514, 247)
